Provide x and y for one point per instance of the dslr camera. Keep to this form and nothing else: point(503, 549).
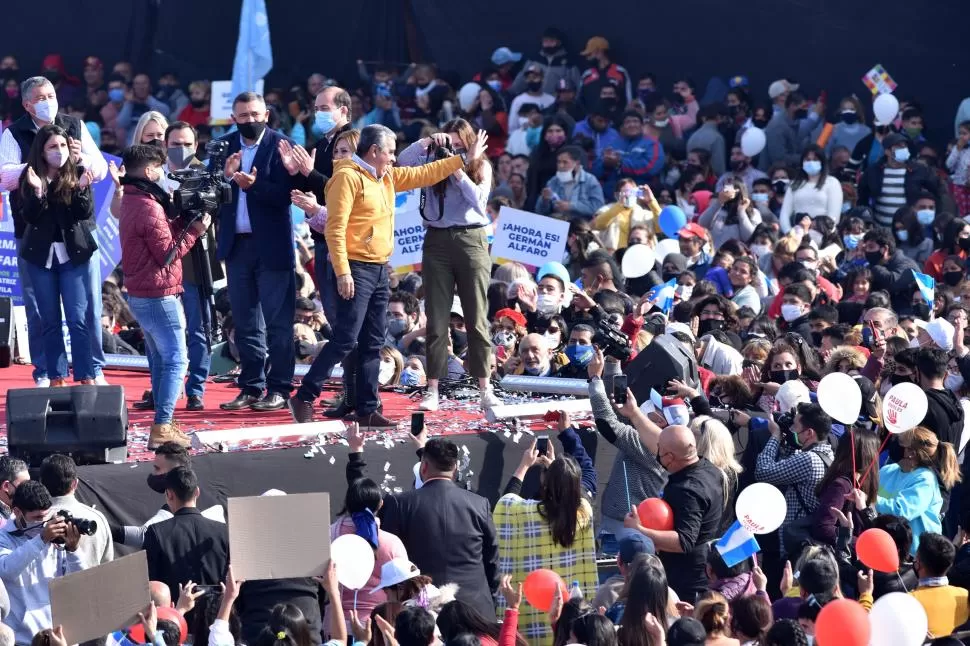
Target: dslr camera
point(611, 340)
point(202, 189)
point(785, 421)
point(84, 526)
point(436, 152)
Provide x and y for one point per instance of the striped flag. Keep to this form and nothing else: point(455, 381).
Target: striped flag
point(927, 286)
point(736, 545)
point(663, 295)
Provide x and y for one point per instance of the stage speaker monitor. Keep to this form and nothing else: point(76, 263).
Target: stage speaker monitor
point(6, 331)
point(90, 423)
point(664, 359)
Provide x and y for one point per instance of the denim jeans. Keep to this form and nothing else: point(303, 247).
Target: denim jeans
point(163, 323)
point(63, 283)
point(35, 338)
point(92, 315)
point(361, 320)
point(196, 341)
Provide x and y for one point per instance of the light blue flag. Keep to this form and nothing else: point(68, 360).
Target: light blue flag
point(927, 286)
point(663, 295)
point(254, 53)
point(736, 545)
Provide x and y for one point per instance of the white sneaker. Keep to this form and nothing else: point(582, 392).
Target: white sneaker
point(430, 401)
point(100, 380)
point(489, 400)
point(42, 382)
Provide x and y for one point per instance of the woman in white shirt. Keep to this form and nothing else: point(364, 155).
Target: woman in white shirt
point(812, 191)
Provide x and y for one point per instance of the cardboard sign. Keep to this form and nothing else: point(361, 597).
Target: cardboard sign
point(530, 239)
point(409, 233)
point(279, 537)
point(220, 106)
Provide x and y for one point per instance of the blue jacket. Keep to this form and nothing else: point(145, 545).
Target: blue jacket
point(640, 159)
point(915, 496)
point(585, 200)
point(609, 138)
point(268, 202)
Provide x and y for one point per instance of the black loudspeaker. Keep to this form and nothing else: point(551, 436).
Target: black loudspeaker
point(664, 359)
point(6, 331)
point(90, 423)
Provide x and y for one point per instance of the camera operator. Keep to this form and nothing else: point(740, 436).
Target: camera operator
point(59, 474)
point(148, 237)
point(455, 254)
point(35, 547)
point(797, 473)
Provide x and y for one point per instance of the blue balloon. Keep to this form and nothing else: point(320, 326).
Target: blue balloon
point(672, 219)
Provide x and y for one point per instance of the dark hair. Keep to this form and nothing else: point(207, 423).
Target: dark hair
point(855, 274)
point(138, 157)
point(785, 632)
point(389, 611)
point(799, 290)
point(801, 177)
point(935, 554)
point(180, 125)
point(171, 632)
point(593, 629)
point(204, 615)
point(932, 363)
point(414, 626)
point(362, 494)
point(561, 500)
point(900, 530)
point(463, 639)
point(645, 591)
point(441, 454)
point(10, 467)
point(175, 453)
point(610, 302)
point(411, 304)
point(837, 333)
point(575, 152)
point(793, 98)
point(717, 564)
point(246, 97)
point(819, 575)
point(31, 496)
point(844, 463)
point(182, 482)
point(815, 418)
point(287, 619)
point(884, 238)
point(58, 473)
point(751, 617)
point(826, 313)
point(600, 257)
point(67, 176)
point(458, 617)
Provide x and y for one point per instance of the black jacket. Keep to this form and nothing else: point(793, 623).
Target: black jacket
point(49, 221)
point(944, 416)
point(895, 278)
point(449, 534)
point(919, 178)
point(187, 547)
point(801, 327)
point(258, 598)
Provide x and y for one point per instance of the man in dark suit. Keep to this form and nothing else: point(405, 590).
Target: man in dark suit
point(188, 546)
point(256, 241)
point(442, 515)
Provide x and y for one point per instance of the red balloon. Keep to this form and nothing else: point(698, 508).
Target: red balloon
point(540, 588)
point(656, 514)
point(167, 613)
point(875, 548)
point(842, 622)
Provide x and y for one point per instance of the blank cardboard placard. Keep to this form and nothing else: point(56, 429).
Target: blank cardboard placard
point(279, 537)
point(98, 601)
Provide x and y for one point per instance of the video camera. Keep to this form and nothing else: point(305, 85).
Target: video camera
point(84, 526)
point(201, 189)
point(612, 341)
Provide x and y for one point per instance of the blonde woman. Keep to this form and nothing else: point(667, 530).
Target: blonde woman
point(149, 131)
point(344, 147)
point(392, 365)
point(714, 442)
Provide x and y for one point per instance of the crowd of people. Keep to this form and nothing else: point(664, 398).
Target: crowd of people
point(838, 247)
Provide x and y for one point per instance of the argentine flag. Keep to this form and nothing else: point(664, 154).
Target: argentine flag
point(927, 286)
point(663, 295)
point(736, 545)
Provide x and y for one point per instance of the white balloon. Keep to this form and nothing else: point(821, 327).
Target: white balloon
point(761, 508)
point(903, 407)
point(638, 260)
point(897, 619)
point(467, 95)
point(752, 141)
point(839, 396)
point(354, 558)
point(665, 247)
point(792, 393)
point(885, 107)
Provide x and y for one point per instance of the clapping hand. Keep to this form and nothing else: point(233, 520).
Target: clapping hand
point(116, 173)
point(306, 202)
point(233, 162)
point(245, 180)
point(33, 180)
point(74, 145)
point(286, 156)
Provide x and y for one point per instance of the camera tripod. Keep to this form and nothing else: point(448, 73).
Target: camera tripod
point(199, 254)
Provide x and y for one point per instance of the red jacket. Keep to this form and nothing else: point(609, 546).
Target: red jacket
point(146, 239)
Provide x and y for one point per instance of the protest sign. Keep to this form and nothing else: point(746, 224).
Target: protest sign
point(220, 105)
point(409, 233)
point(530, 239)
point(878, 81)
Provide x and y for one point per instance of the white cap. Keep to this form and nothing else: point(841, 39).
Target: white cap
point(779, 87)
point(456, 307)
point(676, 326)
point(396, 571)
point(941, 331)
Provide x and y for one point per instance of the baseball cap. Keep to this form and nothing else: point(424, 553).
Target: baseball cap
point(396, 571)
point(556, 270)
point(779, 87)
point(686, 631)
point(93, 61)
point(633, 546)
point(892, 140)
point(456, 307)
point(565, 85)
point(534, 68)
point(383, 89)
point(692, 230)
point(504, 55)
point(594, 45)
point(940, 330)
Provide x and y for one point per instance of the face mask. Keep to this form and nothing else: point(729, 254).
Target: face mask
point(781, 376)
point(410, 377)
point(780, 186)
point(738, 165)
point(550, 50)
point(180, 156)
point(564, 176)
point(902, 235)
point(849, 117)
point(895, 379)
point(385, 372)
point(874, 257)
point(709, 325)
point(197, 103)
point(547, 304)
point(921, 310)
point(156, 482)
point(46, 110)
point(812, 166)
point(117, 95)
point(759, 123)
point(324, 121)
point(733, 110)
point(816, 339)
point(851, 240)
point(523, 122)
point(790, 311)
point(953, 382)
point(759, 198)
point(925, 217)
point(397, 327)
point(964, 243)
point(495, 85)
point(56, 158)
point(644, 94)
point(760, 250)
point(533, 86)
point(660, 125)
point(533, 372)
point(503, 338)
point(901, 155)
point(809, 264)
point(553, 339)
point(629, 200)
point(913, 133)
point(555, 141)
point(251, 130)
point(801, 114)
point(668, 276)
point(12, 92)
point(952, 278)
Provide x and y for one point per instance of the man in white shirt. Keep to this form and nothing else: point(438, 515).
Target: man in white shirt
point(533, 94)
point(40, 102)
point(59, 474)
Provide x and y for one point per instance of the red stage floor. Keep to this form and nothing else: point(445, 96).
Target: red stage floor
point(456, 417)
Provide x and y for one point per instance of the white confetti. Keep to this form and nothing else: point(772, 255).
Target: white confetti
point(387, 467)
point(308, 455)
point(333, 460)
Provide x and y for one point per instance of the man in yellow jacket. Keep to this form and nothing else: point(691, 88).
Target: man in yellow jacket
point(360, 236)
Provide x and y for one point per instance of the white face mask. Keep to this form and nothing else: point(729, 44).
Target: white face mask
point(564, 176)
point(660, 125)
point(553, 339)
point(629, 200)
point(46, 110)
point(548, 304)
point(56, 158)
point(760, 250)
point(790, 311)
point(523, 122)
point(385, 372)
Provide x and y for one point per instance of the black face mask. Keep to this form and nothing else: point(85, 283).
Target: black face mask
point(251, 130)
point(733, 110)
point(533, 86)
point(738, 165)
point(849, 118)
point(964, 243)
point(874, 257)
point(779, 186)
point(197, 103)
point(759, 123)
point(816, 339)
point(801, 114)
point(952, 278)
point(669, 275)
point(550, 50)
point(883, 130)
point(709, 325)
point(781, 376)
point(921, 311)
point(895, 379)
point(156, 482)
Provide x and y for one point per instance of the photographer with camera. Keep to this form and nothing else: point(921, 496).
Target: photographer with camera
point(151, 252)
point(59, 474)
point(455, 254)
point(35, 547)
point(795, 460)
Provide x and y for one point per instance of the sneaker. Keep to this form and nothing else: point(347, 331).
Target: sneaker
point(430, 401)
point(169, 432)
point(101, 381)
point(373, 420)
point(490, 400)
point(42, 382)
point(302, 411)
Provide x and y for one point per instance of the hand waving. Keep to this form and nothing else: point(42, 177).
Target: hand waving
point(116, 173)
point(478, 149)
